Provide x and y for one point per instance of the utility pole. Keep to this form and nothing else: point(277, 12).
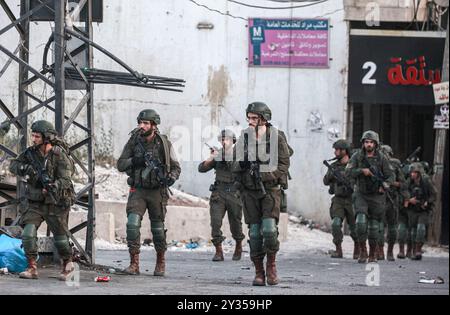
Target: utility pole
point(60, 14)
point(439, 156)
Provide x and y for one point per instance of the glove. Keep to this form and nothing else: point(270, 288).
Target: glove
point(245, 165)
point(170, 181)
point(138, 161)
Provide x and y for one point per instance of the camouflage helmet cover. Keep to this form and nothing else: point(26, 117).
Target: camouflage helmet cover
point(343, 145)
point(370, 135)
point(149, 115)
point(387, 150)
point(44, 127)
point(417, 167)
point(260, 108)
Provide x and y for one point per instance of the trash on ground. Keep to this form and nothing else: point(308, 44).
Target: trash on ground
point(426, 280)
point(103, 279)
point(12, 255)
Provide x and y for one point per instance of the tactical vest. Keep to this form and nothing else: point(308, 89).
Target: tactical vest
point(142, 177)
point(339, 189)
point(368, 185)
point(65, 197)
point(223, 173)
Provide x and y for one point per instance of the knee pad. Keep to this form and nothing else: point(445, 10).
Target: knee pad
point(159, 234)
point(421, 233)
point(336, 225)
point(29, 238)
point(256, 239)
point(63, 246)
point(133, 226)
point(269, 229)
point(361, 224)
point(374, 229)
point(270, 233)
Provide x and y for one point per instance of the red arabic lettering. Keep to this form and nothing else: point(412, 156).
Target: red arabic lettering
point(413, 75)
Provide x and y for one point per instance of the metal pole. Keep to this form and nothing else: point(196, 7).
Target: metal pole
point(439, 156)
point(90, 232)
point(23, 98)
point(60, 10)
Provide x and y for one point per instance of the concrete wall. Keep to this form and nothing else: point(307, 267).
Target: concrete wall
point(182, 223)
point(162, 38)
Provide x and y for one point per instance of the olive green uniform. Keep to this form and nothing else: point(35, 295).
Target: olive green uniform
point(225, 198)
point(262, 212)
point(41, 207)
point(367, 200)
point(341, 203)
point(418, 217)
point(391, 216)
point(146, 191)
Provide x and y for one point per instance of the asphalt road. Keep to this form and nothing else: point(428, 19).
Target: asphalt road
point(193, 273)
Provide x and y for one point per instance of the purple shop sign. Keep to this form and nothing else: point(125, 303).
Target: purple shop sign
point(296, 43)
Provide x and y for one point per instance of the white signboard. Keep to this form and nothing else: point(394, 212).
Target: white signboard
point(441, 93)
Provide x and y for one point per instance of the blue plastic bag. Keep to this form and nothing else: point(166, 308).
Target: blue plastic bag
point(12, 255)
point(192, 245)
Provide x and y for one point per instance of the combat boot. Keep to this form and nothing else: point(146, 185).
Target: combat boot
point(390, 252)
point(417, 252)
point(409, 250)
point(218, 256)
point(160, 268)
point(372, 252)
point(237, 251)
point(133, 269)
point(31, 272)
point(260, 275)
point(338, 252)
point(380, 252)
point(362, 253)
point(356, 251)
point(401, 253)
point(67, 270)
point(271, 270)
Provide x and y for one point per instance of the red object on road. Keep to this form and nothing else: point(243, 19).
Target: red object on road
point(103, 279)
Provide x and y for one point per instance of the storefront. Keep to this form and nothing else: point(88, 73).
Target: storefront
point(391, 74)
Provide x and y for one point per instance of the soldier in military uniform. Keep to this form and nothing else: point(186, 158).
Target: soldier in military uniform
point(398, 193)
point(422, 193)
point(374, 175)
point(225, 195)
point(262, 179)
point(149, 184)
point(50, 195)
point(341, 204)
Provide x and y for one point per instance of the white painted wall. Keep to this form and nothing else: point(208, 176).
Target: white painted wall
point(161, 38)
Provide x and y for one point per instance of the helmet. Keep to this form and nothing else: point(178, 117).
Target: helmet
point(343, 145)
point(426, 166)
point(45, 128)
point(387, 150)
point(260, 109)
point(5, 127)
point(149, 115)
point(370, 135)
point(417, 167)
point(227, 133)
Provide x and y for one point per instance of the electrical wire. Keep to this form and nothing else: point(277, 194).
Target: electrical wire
point(279, 8)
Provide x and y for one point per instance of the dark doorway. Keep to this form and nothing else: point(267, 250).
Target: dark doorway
point(402, 127)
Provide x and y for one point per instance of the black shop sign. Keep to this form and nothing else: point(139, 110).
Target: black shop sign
point(394, 70)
